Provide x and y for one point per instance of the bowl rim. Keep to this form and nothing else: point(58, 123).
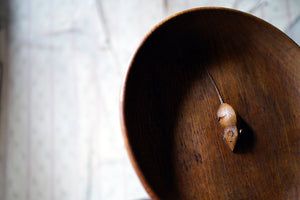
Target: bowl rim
point(132, 158)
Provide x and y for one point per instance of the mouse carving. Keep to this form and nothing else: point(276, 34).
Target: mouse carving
point(228, 120)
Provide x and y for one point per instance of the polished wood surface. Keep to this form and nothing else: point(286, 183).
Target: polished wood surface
point(168, 108)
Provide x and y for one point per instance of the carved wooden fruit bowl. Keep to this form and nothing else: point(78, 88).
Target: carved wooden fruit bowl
point(168, 108)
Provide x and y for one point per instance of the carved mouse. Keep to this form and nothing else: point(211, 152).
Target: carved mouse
point(227, 119)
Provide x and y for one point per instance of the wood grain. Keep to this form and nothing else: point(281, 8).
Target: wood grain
point(168, 108)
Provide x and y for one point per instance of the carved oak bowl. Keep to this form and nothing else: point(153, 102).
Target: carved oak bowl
point(169, 105)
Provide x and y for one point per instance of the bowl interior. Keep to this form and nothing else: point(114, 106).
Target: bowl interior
point(169, 108)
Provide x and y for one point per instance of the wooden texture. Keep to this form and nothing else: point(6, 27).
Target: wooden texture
point(168, 108)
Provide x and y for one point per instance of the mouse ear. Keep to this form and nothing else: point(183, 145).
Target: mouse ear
point(231, 137)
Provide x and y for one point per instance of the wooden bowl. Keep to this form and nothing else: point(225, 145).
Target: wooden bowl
point(169, 105)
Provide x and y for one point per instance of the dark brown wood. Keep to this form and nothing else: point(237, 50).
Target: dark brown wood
point(168, 108)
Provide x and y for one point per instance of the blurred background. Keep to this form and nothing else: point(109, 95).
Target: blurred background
point(62, 64)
